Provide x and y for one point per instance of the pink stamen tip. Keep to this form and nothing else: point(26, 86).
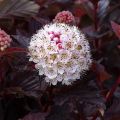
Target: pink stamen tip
point(52, 39)
point(51, 36)
point(57, 42)
point(57, 35)
point(51, 32)
point(60, 46)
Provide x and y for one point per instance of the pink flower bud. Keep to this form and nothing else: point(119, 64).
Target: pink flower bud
point(64, 17)
point(5, 40)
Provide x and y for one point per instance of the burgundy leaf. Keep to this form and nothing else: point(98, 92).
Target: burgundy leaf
point(80, 1)
point(101, 72)
point(78, 12)
point(116, 28)
point(13, 50)
point(95, 2)
point(35, 116)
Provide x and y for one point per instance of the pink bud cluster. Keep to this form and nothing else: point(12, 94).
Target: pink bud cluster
point(55, 36)
point(64, 17)
point(5, 40)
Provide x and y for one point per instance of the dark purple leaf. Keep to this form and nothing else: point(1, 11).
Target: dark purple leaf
point(103, 6)
point(35, 116)
point(22, 40)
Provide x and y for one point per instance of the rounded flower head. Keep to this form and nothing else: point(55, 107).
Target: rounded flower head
point(64, 17)
point(5, 40)
point(60, 52)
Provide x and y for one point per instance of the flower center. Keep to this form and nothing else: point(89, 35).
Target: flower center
point(55, 36)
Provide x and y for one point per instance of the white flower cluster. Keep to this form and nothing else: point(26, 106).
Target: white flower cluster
point(60, 52)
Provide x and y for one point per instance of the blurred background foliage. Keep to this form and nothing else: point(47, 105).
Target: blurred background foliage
point(25, 96)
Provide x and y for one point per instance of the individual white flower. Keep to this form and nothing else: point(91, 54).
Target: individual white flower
point(67, 82)
point(51, 72)
point(53, 58)
point(40, 68)
point(51, 48)
point(64, 55)
point(61, 67)
point(59, 78)
point(60, 52)
point(68, 45)
point(71, 66)
point(54, 81)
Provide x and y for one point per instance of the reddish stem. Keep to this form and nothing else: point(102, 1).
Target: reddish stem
point(98, 114)
point(95, 116)
point(109, 95)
